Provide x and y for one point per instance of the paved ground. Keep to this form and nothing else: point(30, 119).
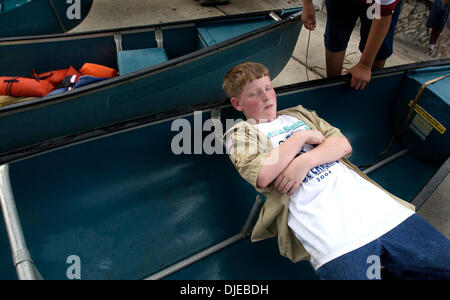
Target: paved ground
point(118, 13)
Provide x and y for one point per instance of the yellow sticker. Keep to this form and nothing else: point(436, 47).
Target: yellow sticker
point(429, 118)
point(422, 127)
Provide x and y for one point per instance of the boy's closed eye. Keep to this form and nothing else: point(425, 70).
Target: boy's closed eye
point(259, 92)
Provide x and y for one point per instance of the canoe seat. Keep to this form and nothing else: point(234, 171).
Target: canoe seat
point(216, 32)
point(133, 60)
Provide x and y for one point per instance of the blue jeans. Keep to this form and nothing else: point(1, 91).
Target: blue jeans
point(412, 250)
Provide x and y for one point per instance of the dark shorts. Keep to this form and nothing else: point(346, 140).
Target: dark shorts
point(438, 15)
point(412, 250)
point(341, 20)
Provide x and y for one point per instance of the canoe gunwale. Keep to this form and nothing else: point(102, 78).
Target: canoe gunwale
point(88, 35)
point(140, 74)
point(143, 27)
point(421, 198)
point(345, 79)
point(97, 133)
point(154, 118)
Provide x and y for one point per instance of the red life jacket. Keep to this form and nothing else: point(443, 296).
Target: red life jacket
point(25, 86)
point(42, 84)
point(98, 71)
point(56, 77)
point(35, 86)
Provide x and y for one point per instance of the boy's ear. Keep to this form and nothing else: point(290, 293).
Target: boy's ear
point(236, 104)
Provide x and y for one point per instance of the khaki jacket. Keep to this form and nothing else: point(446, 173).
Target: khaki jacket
point(247, 151)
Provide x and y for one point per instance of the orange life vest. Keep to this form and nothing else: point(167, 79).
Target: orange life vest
point(98, 71)
point(56, 77)
point(25, 87)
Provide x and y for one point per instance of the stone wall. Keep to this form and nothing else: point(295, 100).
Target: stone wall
point(411, 25)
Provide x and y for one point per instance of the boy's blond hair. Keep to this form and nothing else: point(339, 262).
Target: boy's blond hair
point(241, 74)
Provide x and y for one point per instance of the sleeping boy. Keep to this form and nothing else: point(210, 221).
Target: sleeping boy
point(320, 206)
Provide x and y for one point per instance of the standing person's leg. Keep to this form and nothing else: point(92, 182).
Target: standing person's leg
point(436, 21)
point(341, 19)
point(416, 250)
point(387, 48)
point(378, 64)
point(443, 44)
point(334, 62)
point(435, 32)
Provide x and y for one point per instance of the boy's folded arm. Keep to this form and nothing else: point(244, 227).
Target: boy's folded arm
point(332, 149)
point(279, 158)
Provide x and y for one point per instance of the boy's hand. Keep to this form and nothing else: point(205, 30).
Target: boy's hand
point(361, 75)
point(311, 137)
point(309, 15)
point(290, 179)
point(315, 137)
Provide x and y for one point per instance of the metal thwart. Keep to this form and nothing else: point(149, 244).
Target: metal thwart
point(244, 233)
point(23, 263)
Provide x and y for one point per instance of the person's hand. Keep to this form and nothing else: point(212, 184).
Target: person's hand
point(309, 16)
point(311, 137)
point(361, 75)
point(315, 137)
point(290, 179)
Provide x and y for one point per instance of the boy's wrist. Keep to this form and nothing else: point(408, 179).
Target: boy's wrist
point(300, 137)
point(305, 160)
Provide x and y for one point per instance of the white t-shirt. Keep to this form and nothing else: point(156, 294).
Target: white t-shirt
point(335, 210)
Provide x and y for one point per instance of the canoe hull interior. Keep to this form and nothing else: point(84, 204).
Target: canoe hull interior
point(128, 206)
